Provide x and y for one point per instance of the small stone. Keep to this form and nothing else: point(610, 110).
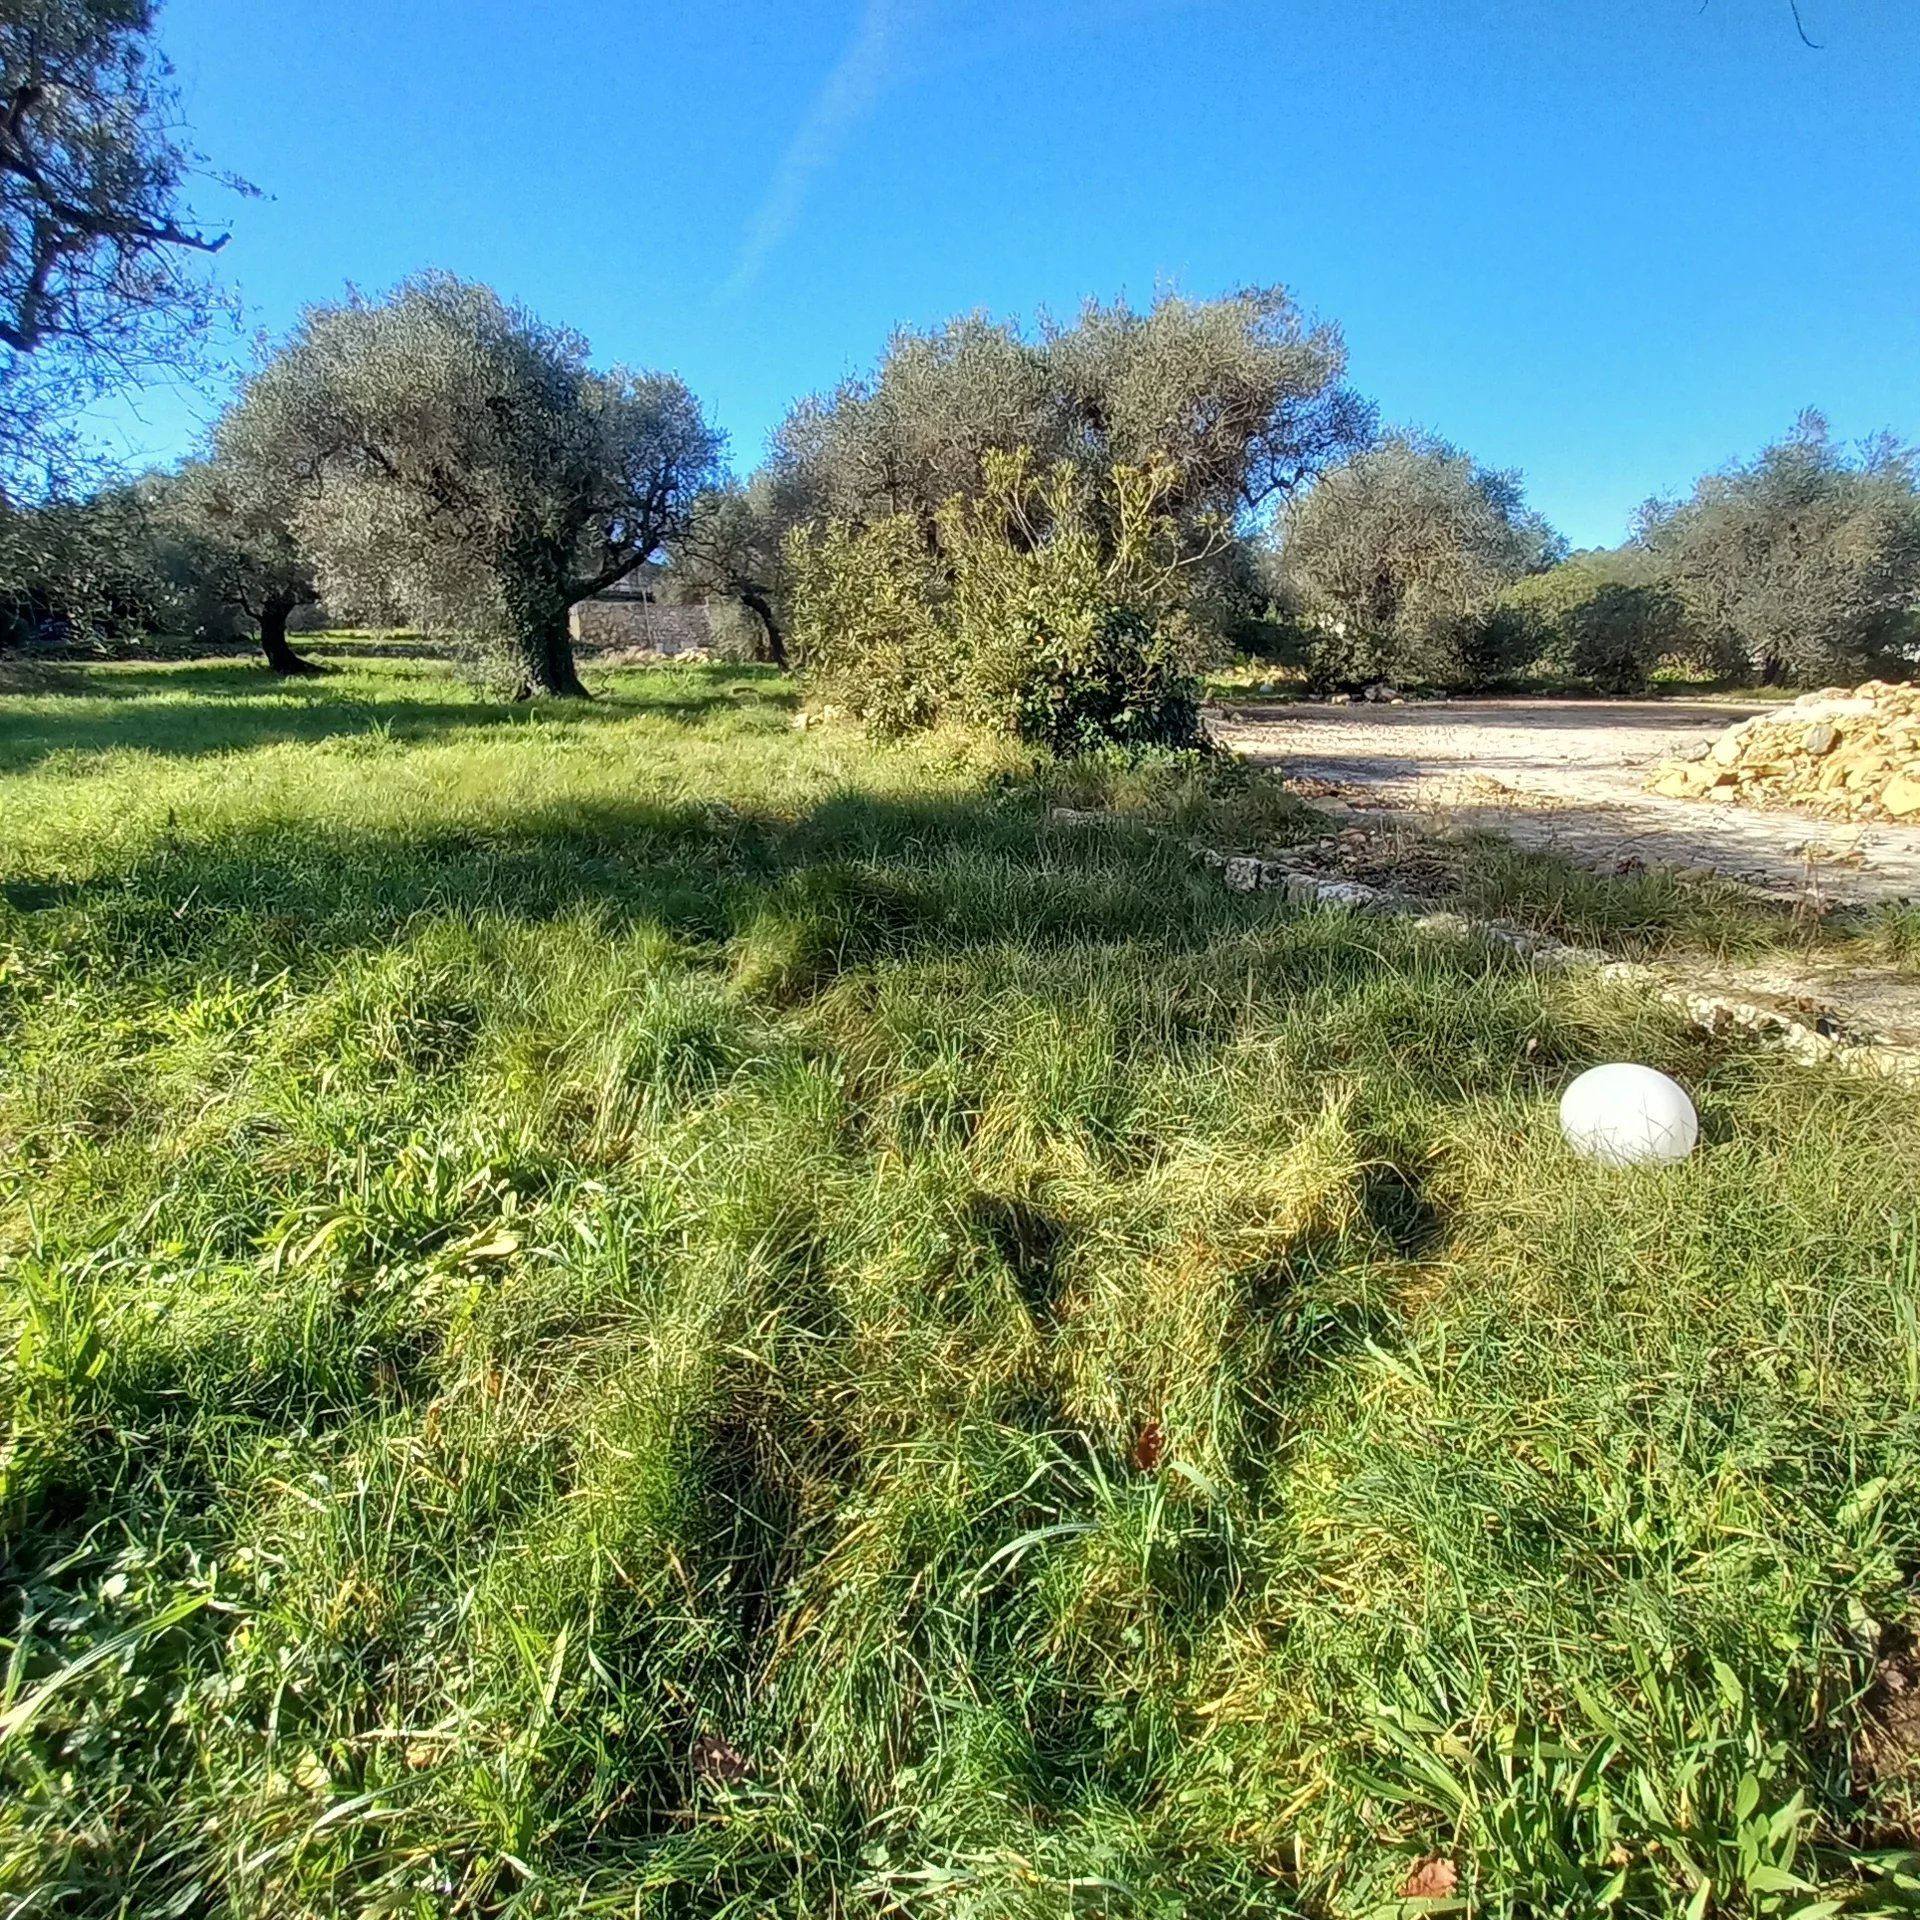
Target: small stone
point(1726, 750)
point(1819, 737)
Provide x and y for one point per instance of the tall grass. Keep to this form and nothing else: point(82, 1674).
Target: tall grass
point(636, 1312)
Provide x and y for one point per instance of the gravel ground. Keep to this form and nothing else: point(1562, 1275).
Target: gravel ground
point(1570, 775)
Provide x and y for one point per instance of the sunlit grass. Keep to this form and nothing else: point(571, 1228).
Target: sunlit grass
point(634, 1311)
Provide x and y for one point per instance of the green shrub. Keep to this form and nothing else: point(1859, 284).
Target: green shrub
point(1399, 558)
point(1619, 634)
point(1587, 621)
point(1069, 614)
point(1051, 609)
point(868, 628)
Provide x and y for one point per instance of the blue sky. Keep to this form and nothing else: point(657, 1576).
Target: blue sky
point(1609, 242)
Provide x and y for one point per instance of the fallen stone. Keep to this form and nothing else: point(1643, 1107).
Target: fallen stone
point(1845, 755)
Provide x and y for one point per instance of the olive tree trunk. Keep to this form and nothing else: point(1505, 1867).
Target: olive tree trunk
point(273, 643)
point(773, 641)
point(545, 650)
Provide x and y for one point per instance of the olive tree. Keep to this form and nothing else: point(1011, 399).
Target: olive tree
point(458, 460)
point(912, 435)
point(77, 567)
point(1241, 400)
point(732, 546)
point(225, 543)
point(1399, 557)
point(100, 279)
point(1804, 563)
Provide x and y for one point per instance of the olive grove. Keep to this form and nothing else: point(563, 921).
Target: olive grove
point(1800, 565)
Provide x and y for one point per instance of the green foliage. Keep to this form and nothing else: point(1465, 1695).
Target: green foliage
point(1069, 614)
point(1804, 563)
point(870, 634)
point(1239, 401)
point(617, 1309)
point(1049, 610)
point(912, 435)
point(1601, 620)
point(1619, 634)
point(1235, 402)
point(225, 543)
point(1398, 559)
point(73, 569)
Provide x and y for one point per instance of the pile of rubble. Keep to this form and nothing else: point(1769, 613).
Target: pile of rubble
point(1845, 753)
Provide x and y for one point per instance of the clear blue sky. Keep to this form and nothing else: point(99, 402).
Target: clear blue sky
point(1609, 242)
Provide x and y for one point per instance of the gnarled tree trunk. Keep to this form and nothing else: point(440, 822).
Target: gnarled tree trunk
point(273, 643)
point(538, 596)
point(761, 608)
point(546, 662)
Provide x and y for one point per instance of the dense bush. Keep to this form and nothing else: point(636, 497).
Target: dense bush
point(1618, 635)
point(869, 626)
point(1049, 608)
point(1068, 605)
point(1599, 619)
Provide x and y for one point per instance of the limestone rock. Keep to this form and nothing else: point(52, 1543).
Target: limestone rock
point(1843, 753)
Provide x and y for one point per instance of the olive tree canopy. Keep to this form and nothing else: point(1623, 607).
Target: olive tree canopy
point(1399, 556)
point(912, 435)
point(1804, 564)
point(456, 459)
point(1242, 398)
point(99, 281)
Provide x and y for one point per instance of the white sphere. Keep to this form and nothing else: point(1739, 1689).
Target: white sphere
point(1628, 1116)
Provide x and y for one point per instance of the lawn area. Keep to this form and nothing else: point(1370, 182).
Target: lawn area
point(626, 1310)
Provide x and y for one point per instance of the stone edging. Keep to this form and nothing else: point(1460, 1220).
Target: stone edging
point(1710, 1012)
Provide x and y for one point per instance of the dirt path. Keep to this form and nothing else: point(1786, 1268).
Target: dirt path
point(1570, 775)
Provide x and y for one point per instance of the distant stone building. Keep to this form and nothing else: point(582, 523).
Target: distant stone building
point(627, 618)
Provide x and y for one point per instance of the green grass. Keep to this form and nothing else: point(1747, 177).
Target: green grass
point(1657, 914)
point(636, 1312)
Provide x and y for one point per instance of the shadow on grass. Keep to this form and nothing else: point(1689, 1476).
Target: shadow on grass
point(202, 708)
point(792, 908)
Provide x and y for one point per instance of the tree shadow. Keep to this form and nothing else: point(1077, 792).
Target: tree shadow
point(200, 709)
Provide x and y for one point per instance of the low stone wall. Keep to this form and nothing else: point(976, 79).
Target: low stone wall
point(619, 626)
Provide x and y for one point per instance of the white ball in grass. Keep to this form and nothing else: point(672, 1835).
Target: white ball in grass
point(1628, 1116)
